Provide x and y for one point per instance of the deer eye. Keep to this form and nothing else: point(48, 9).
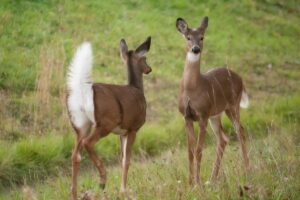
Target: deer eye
point(188, 38)
point(201, 38)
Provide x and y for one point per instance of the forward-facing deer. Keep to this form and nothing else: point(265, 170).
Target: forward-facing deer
point(97, 109)
point(205, 97)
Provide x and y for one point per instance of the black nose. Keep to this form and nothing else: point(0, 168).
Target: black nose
point(196, 49)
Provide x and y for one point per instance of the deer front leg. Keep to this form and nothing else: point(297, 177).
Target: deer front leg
point(199, 148)
point(190, 146)
point(127, 142)
point(121, 149)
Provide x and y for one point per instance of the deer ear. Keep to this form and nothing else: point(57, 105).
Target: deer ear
point(123, 49)
point(143, 48)
point(181, 26)
point(204, 23)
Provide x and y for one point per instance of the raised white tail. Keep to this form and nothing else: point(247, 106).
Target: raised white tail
point(244, 103)
point(80, 99)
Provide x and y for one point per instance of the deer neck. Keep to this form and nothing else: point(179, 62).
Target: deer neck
point(135, 77)
point(191, 73)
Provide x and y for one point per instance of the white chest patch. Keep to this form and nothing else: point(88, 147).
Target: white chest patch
point(191, 57)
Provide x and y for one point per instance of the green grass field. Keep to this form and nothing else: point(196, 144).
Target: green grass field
point(258, 39)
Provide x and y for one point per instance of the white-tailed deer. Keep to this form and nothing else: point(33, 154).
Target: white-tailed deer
point(97, 109)
point(205, 97)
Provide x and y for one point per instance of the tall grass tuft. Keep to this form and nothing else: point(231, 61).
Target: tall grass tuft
point(50, 90)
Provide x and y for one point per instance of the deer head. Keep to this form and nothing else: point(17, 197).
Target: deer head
point(136, 58)
point(194, 37)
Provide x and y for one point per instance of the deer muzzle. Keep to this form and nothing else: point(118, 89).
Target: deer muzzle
point(196, 49)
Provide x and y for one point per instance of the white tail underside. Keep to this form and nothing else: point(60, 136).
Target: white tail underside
point(80, 100)
point(244, 103)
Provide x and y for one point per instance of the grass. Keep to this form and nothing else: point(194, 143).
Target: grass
point(258, 39)
point(274, 175)
point(273, 146)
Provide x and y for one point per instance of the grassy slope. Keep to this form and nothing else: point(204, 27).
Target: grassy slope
point(37, 38)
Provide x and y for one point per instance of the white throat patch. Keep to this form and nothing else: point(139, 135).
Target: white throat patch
point(191, 57)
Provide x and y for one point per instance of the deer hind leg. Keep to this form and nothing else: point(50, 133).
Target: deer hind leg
point(234, 116)
point(222, 140)
point(89, 144)
point(190, 142)
point(127, 142)
point(199, 148)
point(81, 133)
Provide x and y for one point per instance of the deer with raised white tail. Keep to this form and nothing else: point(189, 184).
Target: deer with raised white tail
point(97, 109)
point(205, 97)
